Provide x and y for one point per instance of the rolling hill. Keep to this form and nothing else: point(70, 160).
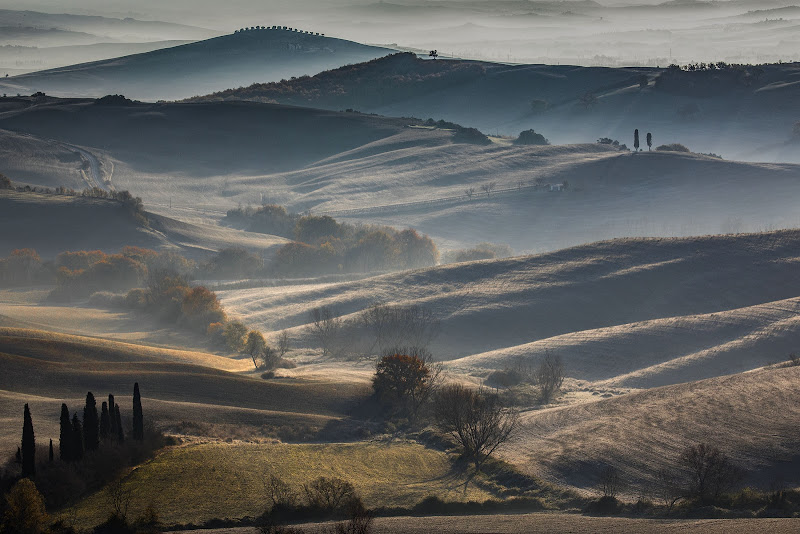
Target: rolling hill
point(623, 313)
point(197, 160)
point(50, 224)
point(197, 68)
point(729, 111)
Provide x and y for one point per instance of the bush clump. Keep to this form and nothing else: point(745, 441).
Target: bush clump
point(530, 137)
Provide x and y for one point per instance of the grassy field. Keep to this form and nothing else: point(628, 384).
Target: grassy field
point(229, 479)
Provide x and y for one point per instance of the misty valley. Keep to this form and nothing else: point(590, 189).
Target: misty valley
point(372, 268)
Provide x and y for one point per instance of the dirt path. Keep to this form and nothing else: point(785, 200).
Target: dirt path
point(95, 176)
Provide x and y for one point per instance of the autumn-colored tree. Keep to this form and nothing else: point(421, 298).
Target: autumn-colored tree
point(25, 511)
point(404, 382)
point(200, 308)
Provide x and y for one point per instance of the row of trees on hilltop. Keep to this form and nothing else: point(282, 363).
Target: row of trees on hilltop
point(284, 28)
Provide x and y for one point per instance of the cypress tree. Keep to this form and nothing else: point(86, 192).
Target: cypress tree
point(138, 416)
point(52, 456)
point(636, 140)
point(112, 420)
point(65, 436)
point(77, 439)
point(91, 424)
point(649, 141)
point(105, 422)
point(118, 419)
point(28, 449)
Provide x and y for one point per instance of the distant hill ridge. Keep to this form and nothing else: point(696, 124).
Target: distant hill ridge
point(201, 67)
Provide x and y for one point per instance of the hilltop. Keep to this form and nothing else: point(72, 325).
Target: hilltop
point(200, 67)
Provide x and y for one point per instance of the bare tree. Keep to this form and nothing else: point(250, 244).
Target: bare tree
point(283, 343)
point(710, 472)
point(609, 481)
point(280, 494)
point(668, 487)
point(326, 327)
point(488, 188)
point(119, 498)
point(550, 376)
point(477, 419)
point(470, 192)
point(255, 346)
point(395, 325)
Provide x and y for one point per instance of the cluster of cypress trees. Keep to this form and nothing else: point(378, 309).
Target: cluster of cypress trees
point(78, 436)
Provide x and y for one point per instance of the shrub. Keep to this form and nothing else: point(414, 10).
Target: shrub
point(472, 136)
point(673, 147)
point(5, 182)
point(200, 308)
point(530, 137)
point(605, 505)
point(25, 511)
point(330, 495)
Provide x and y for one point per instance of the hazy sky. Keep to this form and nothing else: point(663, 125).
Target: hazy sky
point(515, 30)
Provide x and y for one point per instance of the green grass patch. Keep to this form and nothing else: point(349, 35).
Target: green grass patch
point(199, 482)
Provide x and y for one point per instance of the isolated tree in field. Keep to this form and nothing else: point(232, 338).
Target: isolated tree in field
point(325, 327)
point(636, 140)
point(65, 436)
point(28, 449)
point(433, 53)
point(710, 472)
point(283, 343)
point(649, 141)
point(105, 422)
point(138, 415)
point(476, 419)
point(405, 380)
point(25, 512)
point(77, 439)
point(255, 346)
point(91, 424)
point(120, 431)
point(470, 192)
point(549, 376)
point(488, 188)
